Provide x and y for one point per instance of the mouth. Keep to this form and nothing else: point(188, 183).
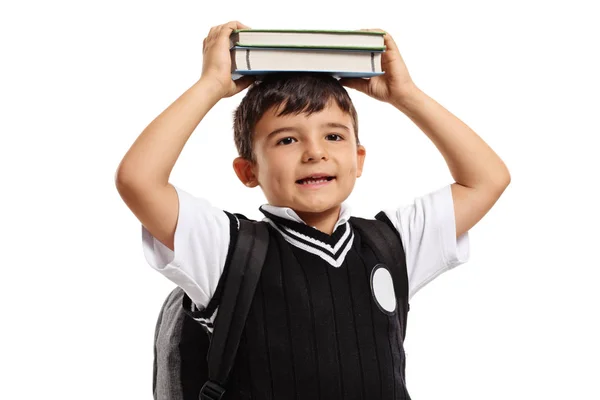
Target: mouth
point(315, 180)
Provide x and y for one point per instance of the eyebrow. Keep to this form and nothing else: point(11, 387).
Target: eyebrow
point(292, 129)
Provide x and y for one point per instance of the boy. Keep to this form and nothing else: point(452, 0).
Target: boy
point(320, 325)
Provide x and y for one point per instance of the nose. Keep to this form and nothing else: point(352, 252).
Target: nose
point(314, 151)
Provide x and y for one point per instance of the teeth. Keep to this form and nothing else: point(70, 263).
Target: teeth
point(313, 181)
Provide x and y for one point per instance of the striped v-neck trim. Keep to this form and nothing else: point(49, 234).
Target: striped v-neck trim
point(331, 248)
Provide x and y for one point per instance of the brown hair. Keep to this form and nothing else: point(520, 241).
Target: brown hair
point(299, 92)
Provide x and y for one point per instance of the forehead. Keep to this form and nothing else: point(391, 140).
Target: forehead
point(330, 113)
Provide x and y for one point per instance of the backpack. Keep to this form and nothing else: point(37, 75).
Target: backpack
point(189, 362)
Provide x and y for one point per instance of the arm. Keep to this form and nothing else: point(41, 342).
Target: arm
point(142, 177)
point(480, 175)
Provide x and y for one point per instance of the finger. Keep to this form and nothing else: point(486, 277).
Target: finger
point(389, 43)
point(359, 84)
point(236, 25)
point(242, 26)
point(373, 30)
point(244, 82)
point(228, 28)
point(388, 40)
point(213, 30)
point(211, 33)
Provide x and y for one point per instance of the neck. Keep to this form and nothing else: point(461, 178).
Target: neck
point(324, 221)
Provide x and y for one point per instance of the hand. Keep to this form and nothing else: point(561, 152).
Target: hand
point(391, 87)
point(216, 64)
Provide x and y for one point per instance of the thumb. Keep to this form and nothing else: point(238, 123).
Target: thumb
point(244, 82)
point(360, 84)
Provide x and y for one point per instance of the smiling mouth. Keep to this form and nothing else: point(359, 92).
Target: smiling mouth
point(315, 181)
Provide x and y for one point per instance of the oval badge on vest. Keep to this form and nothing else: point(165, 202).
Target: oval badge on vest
point(382, 287)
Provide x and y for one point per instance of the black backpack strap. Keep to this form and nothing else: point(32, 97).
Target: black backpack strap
point(240, 285)
point(384, 239)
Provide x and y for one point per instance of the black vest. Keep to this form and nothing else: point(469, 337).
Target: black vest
point(316, 331)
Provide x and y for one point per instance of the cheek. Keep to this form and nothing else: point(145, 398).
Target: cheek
point(273, 170)
point(352, 172)
point(351, 165)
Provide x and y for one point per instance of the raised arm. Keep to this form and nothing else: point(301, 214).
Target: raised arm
point(480, 175)
point(142, 177)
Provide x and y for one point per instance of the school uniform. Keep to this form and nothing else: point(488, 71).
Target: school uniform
point(328, 320)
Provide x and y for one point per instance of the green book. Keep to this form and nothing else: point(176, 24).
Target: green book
point(307, 38)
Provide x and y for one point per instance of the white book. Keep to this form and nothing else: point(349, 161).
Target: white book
point(306, 38)
point(342, 63)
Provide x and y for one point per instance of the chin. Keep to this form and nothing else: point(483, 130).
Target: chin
point(312, 210)
point(315, 207)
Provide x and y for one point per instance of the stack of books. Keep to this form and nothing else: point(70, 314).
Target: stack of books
point(343, 54)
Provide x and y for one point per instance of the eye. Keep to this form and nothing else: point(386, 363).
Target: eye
point(286, 141)
point(334, 137)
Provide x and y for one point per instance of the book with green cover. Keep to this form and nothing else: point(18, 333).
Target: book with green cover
point(307, 38)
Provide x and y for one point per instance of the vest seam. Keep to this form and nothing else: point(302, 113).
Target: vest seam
point(289, 331)
point(337, 340)
point(360, 362)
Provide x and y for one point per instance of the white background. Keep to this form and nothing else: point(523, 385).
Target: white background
point(80, 81)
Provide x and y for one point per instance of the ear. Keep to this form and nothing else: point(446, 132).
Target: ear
point(245, 171)
point(361, 153)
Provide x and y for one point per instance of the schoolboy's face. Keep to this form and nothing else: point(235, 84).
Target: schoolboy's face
point(306, 162)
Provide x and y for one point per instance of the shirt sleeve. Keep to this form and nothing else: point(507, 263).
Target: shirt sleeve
point(427, 229)
point(201, 244)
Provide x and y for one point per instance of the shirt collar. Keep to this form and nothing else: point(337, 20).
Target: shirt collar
point(288, 213)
